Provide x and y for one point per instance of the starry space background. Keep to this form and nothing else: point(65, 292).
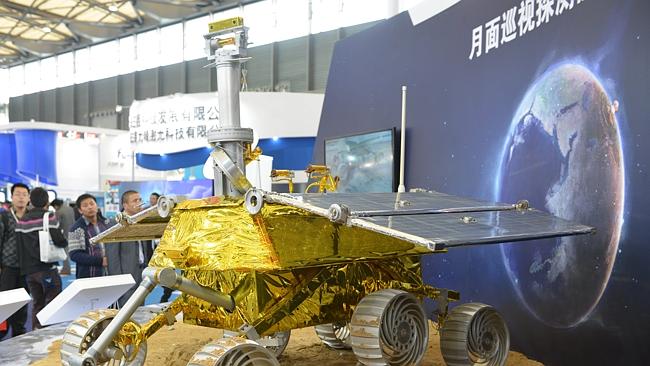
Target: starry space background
point(459, 112)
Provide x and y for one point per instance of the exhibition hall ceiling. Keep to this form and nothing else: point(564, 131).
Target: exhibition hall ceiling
point(38, 28)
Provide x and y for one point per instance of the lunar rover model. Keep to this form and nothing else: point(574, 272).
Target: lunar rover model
point(259, 264)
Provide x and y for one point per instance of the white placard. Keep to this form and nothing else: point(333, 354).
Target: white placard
point(83, 295)
point(11, 301)
point(180, 122)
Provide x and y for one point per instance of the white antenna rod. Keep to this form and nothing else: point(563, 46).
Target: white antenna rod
point(402, 145)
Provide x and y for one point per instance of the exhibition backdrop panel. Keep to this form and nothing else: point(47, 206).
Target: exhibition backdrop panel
point(8, 158)
point(36, 155)
point(288, 153)
point(509, 101)
point(177, 160)
point(28, 154)
point(293, 153)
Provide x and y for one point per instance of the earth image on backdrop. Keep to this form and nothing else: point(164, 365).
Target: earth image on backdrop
point(564, 155)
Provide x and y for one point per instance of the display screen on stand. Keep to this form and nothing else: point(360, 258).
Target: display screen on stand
point(363, 162)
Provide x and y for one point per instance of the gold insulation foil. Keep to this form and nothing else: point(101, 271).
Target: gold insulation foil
point(219, 234)
point(213, 234)
point(285, 268)
point(284, 300)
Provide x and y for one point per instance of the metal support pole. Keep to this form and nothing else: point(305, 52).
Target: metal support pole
point(402, 187)
point(228, 80)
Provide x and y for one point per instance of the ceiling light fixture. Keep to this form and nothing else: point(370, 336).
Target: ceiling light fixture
point(113, 7)
point(47, 29)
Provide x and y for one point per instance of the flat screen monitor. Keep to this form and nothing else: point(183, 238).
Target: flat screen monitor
point(3, 196)
point(363, 162)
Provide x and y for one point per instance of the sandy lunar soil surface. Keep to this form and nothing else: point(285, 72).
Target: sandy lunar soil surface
point(175, 345)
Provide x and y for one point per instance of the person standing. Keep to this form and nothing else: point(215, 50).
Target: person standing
point(65, 214)
point(43, 279)
point(90, 258)
point(10, 277)
point(131, 256)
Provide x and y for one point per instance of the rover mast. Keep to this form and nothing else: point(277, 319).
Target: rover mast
point(226, 46)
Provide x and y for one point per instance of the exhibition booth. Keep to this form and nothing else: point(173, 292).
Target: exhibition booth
point(533, 129)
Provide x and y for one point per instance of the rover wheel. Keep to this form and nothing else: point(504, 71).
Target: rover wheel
point(474, 334)
point(334, 335)
point(82, 333)
point(233, 351)
point(275, 343)
point(389, 327)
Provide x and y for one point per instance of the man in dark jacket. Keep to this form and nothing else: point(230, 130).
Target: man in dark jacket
point(90, 258)
point(131, 256)
point(43, 279)
point(10, 277)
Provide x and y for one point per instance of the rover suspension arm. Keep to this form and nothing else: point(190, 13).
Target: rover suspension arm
point(151, 276)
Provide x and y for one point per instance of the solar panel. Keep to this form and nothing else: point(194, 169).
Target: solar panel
point(445, 220)
point(393, 201)
point(430, 219)
point(146, 225)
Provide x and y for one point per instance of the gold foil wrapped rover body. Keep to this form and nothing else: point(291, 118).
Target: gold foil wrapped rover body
point(284, 267)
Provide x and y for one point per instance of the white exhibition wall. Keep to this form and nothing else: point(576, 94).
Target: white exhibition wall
point(77, 166)
point(116, 161)
point(84, 165)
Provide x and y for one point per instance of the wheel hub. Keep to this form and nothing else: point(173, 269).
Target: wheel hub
point(92, 336)
point(81, 334)
point(487, 344)
point(403, 333)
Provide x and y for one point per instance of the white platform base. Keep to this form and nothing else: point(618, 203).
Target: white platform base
point(11, 301)
point(83, 295)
